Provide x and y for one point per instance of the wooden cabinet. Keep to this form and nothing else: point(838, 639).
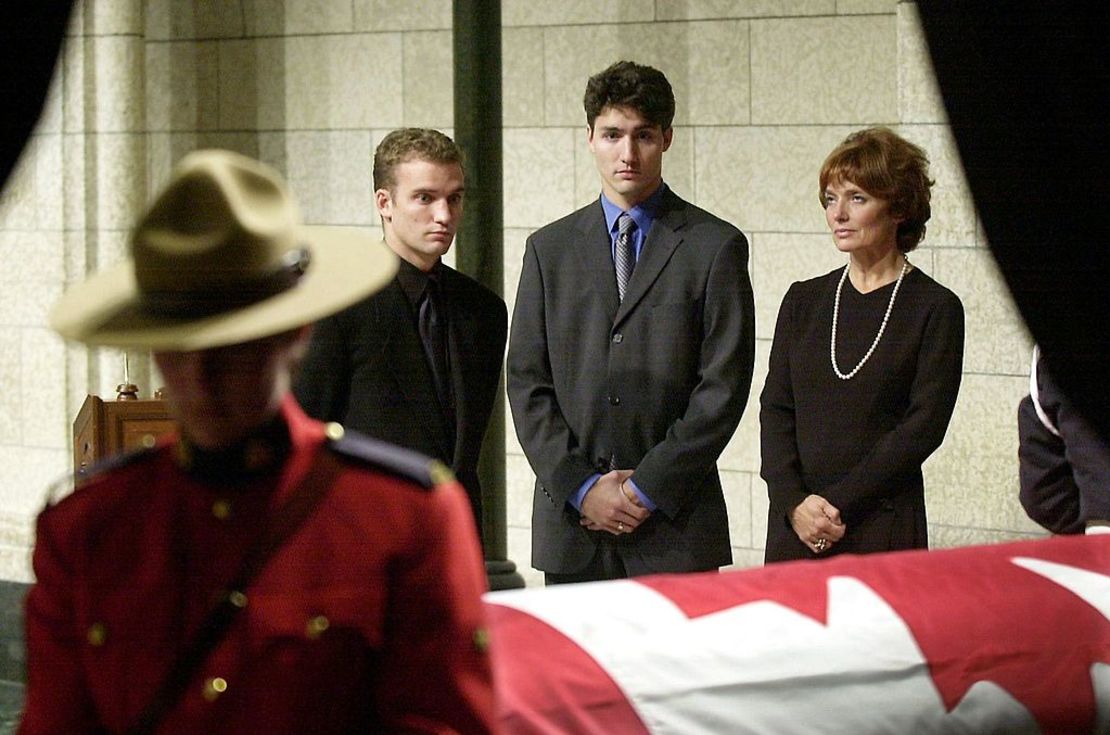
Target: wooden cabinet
point(106, 428)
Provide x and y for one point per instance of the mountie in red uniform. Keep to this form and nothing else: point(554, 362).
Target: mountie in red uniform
point(368, 618)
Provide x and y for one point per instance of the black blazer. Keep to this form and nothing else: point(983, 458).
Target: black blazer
point(366, 369)
point(657, 383)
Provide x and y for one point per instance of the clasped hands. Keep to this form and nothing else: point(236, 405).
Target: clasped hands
point(817, 523)
point(610, 505)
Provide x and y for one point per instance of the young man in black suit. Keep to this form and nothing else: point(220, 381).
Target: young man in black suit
point(631, 355)
point(418, 363)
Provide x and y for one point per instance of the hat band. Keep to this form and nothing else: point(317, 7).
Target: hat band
point(199, 303)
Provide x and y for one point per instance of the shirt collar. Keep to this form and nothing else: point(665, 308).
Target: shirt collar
point(643, 214)
point(413, 281)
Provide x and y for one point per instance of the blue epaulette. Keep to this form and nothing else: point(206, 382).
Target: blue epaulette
point(115, 462)
point(66, 485)
point(388, 458)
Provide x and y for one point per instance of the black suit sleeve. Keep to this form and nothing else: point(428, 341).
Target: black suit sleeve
point(1065, 479)
point(782, 467)
point(551, 446)
point(323, 382)
point(673, 469)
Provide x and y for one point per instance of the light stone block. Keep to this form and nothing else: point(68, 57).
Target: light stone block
point(293, 17)
point(972, 480)
point(780, 260)
point(75, 258)
point(402, 15)
point(182, 86)
point(253, 88)
point(538, 175)
point(176, 20)
point(678, 167)
point(743, 558)
point(705, 62)
point(919, 98)
point(429, 94)
point(520, 553)
point(334, 82)
point(866, 7)
point(108, 248)
point(948, 537)
point(330, 174)
point(16, 539)
point(73, 200)
point(737, 490)
point(27, 476)
point(115, 17)
point(115, 95)
point(27, 303)
point(728, 9)
point(30, 198)
point(11, 400)
point(77, 378)
point(742, 451)
point(513, 255)
point(512, 443)
point(996, 340)
point(72, 64)
point(519, 488)
point(575, 12)
point(522, 84)
point(51, 118)
point(223, 19)
point(46, 424)
point(31, 256)
point(119, 173)
point(158, 21)
point(954, 221)
point(761, 505)
point(764, 179)
point(840, 70)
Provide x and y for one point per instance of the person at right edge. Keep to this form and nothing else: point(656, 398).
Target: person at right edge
point(865, 367)
point(1064, 463)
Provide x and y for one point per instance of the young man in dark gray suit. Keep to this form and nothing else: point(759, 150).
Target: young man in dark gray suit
point(630, 357)
point(418, 363)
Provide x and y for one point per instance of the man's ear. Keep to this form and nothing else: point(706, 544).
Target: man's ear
point(668, 136)
point(383, 200)
point(590, 137)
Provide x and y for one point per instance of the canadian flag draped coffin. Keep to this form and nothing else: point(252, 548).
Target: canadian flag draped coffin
point(1012, 639)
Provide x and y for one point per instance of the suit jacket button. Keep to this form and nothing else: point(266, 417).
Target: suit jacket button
point(614, 400)
point(618, 338)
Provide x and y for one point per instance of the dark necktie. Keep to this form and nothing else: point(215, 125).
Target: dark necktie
point(625, 257)
point(433, 333)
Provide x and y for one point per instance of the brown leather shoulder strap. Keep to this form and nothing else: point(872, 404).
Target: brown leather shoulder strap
point(283, 524)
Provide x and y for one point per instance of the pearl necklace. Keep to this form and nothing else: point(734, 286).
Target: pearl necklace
point(882, 327)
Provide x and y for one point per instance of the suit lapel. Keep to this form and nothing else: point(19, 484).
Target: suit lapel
point(660, 244)
point(594, 248)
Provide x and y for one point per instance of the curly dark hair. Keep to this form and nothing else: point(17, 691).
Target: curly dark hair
point(406, 144)
point(628, 84)
point(889, 167)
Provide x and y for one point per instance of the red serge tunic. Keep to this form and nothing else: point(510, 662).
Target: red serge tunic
point(369, 618)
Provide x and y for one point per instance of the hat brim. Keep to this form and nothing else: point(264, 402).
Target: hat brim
point(345, 267)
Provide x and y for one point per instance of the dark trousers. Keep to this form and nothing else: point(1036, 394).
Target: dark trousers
point(607, 563)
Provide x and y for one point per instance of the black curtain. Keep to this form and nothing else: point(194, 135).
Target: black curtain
point(1025, 87)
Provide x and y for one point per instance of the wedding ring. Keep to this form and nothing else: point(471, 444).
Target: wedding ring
point(620, 526)
point(821, 544)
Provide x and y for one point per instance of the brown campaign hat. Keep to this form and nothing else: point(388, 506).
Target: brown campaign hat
point(219, 258)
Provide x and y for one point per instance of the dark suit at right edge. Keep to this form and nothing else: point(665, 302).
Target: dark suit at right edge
point(657, 382)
